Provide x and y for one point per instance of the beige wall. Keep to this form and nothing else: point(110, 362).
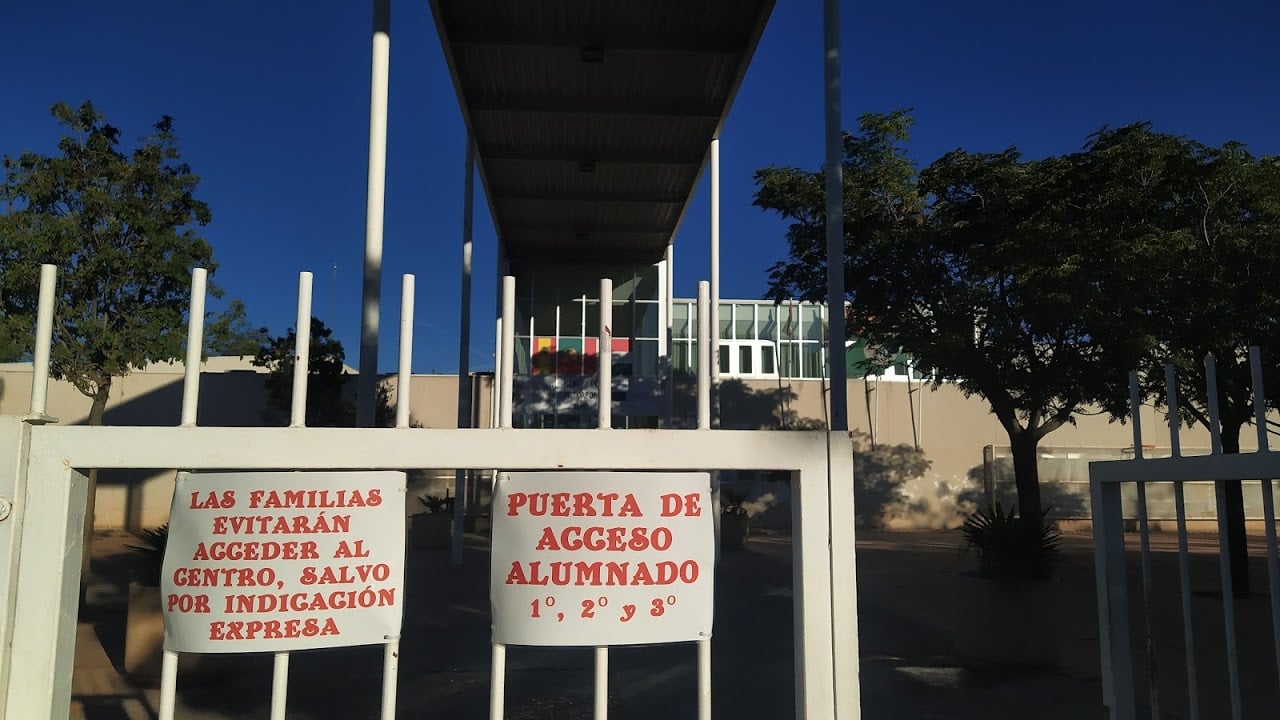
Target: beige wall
point(952, 430)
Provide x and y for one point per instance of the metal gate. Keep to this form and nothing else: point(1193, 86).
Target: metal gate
point(1140, 686)
point(43, 498)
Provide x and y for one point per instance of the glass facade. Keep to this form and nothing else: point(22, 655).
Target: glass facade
point(761, 339)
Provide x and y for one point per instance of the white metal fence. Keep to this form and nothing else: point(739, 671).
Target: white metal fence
point(43, 493)
point(1209, 683)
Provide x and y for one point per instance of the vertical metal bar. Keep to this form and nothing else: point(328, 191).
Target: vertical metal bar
point(704, 357)
point(844, 580)
point(498, 682)
point(301, 353)
point(704, 679)
point(835, 214)
point(604, 402)
point(1118, 695)
point(604, 412)
point(44, 339)
point(601, 705)
point(190, 405)
point(464, 345)
point(390, 671)
point(41, 649)
point(1268, 497)
point(168, 685)
point(279, 685)
point(1224, 559)
point(1171, 401)
point(507, 355)
point(715, 282)
point(1144, 535)
point(195, 347)
point(814, 629)
point(1184, 554)
point(404, 376)
point(372, 290)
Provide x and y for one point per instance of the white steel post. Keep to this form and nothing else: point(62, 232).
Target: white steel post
point(704, 357)
point(464, 347)
point(372, 293)
point(715, 282)
point(835, 218)
point(404, 375)
point(605, 366)
point(507, 353)
point(190, 406)
point(604, 421)
point(44, 339)
point(15, 436)
point(844, 580)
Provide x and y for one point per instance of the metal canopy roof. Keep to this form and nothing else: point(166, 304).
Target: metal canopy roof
point(592, 118)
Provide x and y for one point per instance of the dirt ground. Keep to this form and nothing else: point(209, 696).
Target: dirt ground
point(907, 609)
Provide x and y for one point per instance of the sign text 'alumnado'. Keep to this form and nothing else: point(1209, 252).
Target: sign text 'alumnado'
point(602, 558)
point(277, 561)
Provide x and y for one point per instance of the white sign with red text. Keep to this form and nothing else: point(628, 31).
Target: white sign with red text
point(602, 558)
point(278, 561)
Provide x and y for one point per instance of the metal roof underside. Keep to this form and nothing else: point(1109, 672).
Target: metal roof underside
point(592, 118)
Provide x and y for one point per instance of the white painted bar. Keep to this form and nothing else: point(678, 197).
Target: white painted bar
point(601, 704)
point(168, 685)
point(1228, 602)
point(704, 679)
point(1111, 581)
point(498, 682)
point(507, 351)
point(279, 685)
point(604, 421)
point(42, 644)
point(834, 168)
point(1184, 590)
point(1268, 497)
point(704, 357)
point(1171, 401)
point(604, 401)
point(371, 297)
point(715, 282)
point(44, 339)
point(404, 376)
point(1211, 385)
point(668, 301)
point(1184, 554)
point(1135, 415)
point(301, 353)
point(195, 347)
point(844, 578)
point(390, 675)
point(811, 583)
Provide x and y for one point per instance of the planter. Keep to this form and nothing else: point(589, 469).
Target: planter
point(144, 639)
point(997, 624)
point(430, 531)
point(734, 530)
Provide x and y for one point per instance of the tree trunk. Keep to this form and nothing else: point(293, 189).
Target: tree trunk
point(1026, 472)
point(96, 411)
point(1237, 539)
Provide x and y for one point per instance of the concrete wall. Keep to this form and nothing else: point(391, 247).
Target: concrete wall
point(926, 488)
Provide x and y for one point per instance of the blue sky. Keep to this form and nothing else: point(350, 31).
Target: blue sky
point(270, 101)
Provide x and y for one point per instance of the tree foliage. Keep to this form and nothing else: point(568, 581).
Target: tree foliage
point(330, 396)
point(1037, 284)
point(121, 227)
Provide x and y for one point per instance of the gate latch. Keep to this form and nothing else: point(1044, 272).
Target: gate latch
point(5, 507)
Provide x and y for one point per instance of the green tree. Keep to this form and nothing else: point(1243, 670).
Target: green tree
point(1213, 279)
point(975, 266)
point(330, 400)
point(120, 228)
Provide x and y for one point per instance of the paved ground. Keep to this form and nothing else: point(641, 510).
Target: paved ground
point(906, 611)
